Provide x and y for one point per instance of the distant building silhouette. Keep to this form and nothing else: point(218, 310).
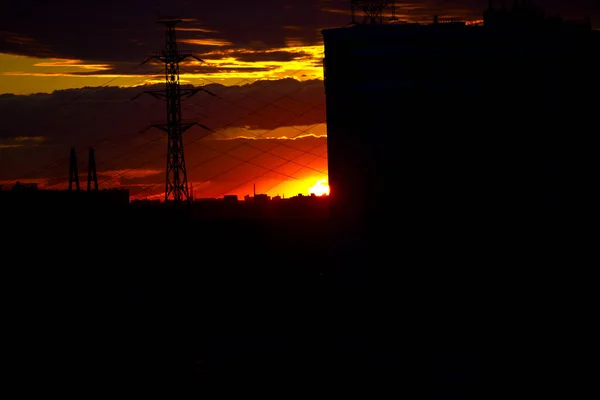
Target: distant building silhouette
point(261, 198)
point(27, 196)
point(231, 199)
point(19, 187)
point(456, 120)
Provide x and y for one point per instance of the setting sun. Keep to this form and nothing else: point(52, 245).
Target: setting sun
point(320, 188)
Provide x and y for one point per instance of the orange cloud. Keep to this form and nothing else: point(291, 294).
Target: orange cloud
point(275, 138)
point(207, 42)
point(36, 139)
point(146, 78)
point(281, 133)
point(187, 29)
point(21, 141)
point(74, 64)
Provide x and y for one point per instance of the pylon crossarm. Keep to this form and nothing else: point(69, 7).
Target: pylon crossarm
point(195, 57)
point(209, 92)
point(193, 91)
point(162, 127)
point(186, 126)
point(189, 92)
point(147, 60)
point(204, 127)
point(157, 56)
point(159, 94)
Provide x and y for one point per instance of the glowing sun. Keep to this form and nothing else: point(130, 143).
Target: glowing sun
point(321, 188)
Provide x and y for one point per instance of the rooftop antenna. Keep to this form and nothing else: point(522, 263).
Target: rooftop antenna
point(73, 174)
point(372, 10)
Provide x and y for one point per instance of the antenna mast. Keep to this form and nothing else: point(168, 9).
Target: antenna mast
point(372, 10)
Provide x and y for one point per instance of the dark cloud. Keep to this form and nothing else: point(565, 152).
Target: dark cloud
point(62, 114)
point(154, 69)
point(12, 42)
point(124, 30)
point(257, 56)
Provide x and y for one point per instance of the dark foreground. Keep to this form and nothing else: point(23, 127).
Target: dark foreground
point(163, 306)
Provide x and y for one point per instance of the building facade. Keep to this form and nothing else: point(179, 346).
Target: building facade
point(459, 121)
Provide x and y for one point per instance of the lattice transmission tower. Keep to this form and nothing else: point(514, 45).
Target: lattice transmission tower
point(176, 186)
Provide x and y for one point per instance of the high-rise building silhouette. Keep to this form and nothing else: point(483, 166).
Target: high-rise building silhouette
point(458, 120)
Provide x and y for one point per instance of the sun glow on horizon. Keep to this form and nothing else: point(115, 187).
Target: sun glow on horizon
point(321, 188)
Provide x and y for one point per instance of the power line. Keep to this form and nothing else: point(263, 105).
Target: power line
point(96, 146)
point(293, 173)
point(267, 172)
point(215, 176)
point(262, 152)
point(283, 95)
point(265, 104)
point(299, 130)
point(245, 142)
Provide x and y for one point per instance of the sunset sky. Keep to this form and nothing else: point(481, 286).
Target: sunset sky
point(69, 69)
